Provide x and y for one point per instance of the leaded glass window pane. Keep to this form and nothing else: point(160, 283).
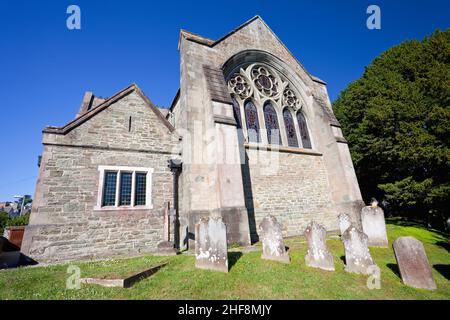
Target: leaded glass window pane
point(237, 113)
point(109, 188)
point(140, 189)
point(271, 120)
point(290, 128)
point(303, 130)
point(125, 188)
point(251, 117)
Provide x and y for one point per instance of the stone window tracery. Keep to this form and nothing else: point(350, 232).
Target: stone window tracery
point(260, 87)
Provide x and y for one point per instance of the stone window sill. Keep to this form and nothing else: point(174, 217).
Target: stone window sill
point(259, 146)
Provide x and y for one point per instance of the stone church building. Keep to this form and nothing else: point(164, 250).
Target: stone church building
point(250, 132)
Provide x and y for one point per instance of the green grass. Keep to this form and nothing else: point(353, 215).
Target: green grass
point(249, 276)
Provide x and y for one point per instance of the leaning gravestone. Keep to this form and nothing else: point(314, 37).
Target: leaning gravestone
point(357, 254)
point(318, 255)
point(344, 222)
point(211, 244)
point(413, 263)
point(271, 233)
point(374, 226)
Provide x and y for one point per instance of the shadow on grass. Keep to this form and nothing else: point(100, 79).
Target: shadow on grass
point(343, 259)
point(414, 223)
point(233, 257)
point(394, 268)
point(443, 244)
point(443, 269)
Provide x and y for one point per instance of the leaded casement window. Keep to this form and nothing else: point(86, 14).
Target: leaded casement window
point(124, 187)
point(259, 89)
point(304, 134)
point(271, 121)
point(251, 117)
point(109, 188)
point(290, 128)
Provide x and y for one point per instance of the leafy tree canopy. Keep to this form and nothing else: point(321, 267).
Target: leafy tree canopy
point(396, 119)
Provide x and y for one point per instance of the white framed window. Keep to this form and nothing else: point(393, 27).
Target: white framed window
point(124, 187)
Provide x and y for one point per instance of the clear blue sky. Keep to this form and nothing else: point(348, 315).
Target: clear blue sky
point(45, 68)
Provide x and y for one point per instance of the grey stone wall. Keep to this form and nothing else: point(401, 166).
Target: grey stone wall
point(64, 224)
point(295, 192)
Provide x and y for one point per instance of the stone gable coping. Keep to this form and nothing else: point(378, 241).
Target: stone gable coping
point(102, 106)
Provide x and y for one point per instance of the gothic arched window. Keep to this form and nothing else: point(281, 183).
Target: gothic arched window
point(251, 117)
point(259, 88)
point(306, 142)
point(271, 121)
point(237, 113)
point(290, 128)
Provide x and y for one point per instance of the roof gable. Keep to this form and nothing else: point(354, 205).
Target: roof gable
point(104, 105)
point(213, 43)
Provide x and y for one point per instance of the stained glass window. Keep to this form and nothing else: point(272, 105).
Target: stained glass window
point(290, 128)
point(303, 130)
point(251, 116)
point(141, 186)
point(237, 113)
point(271, 120)
point(125, 188)
point(109, 188)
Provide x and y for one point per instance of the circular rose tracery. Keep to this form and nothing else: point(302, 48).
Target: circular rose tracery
point(239, 86)
point(264, 81)
point(290, 99)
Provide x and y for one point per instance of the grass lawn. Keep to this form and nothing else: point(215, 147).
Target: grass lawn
point(249, 276)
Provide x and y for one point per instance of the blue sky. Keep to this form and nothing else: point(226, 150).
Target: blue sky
point(45, 68)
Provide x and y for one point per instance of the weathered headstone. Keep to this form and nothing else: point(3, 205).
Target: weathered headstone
point(413, 263)
point(374, 226)
point(271, 233)
point(318, 255)
point(344, 222)
point(211, 244)
point(357, 254)
point(166, 247)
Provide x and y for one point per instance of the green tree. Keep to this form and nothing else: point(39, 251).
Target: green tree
point(396, 118)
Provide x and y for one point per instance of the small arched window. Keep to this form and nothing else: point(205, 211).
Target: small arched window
point(271, 120)
point(290, 128)
point(306, 142)
point(251, 117)
point(237, 113)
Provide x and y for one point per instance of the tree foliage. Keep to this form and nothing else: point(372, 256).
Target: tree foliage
point(6, 221)
point(396, 118)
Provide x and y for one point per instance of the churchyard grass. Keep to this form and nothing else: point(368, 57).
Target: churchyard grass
point(250, 277)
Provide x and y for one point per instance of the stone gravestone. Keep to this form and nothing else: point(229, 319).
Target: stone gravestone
point(271, 234)
point(413, 263)
point(357, 254)
point(211, 244)
point(166, 247)
point(374, 226)
point(344, 222)
point(318, 255)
